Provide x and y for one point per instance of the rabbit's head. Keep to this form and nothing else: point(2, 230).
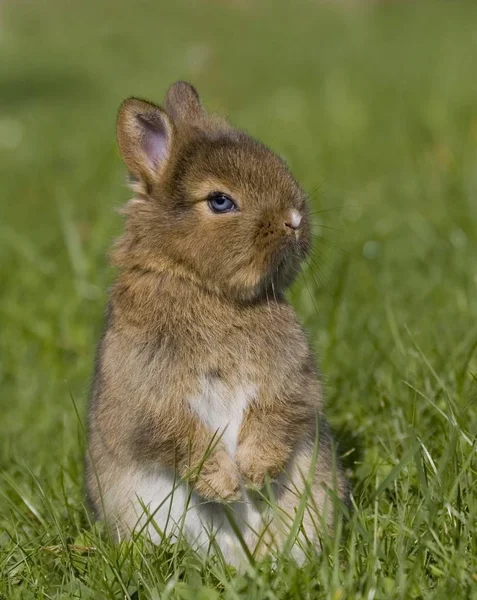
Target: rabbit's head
point(211, 203)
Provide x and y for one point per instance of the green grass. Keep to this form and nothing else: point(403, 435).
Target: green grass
point(375, 107)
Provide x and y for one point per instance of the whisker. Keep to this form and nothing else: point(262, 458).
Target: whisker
point(273, 288)
point(328, 244)
point(315, 224)
point(302, 274)
point(313, 192)
point(310, 294)
point(325, 283)
point(325, 210)
point(268, 300)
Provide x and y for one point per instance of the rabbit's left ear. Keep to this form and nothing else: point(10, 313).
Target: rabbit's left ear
point(145, 134)
point(183, 104)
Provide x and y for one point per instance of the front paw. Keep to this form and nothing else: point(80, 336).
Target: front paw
point(218, 479)
point(256, 467)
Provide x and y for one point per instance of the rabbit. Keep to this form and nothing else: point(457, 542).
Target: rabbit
point(206, 412)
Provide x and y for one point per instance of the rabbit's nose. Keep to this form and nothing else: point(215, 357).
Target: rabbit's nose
point(294, 219)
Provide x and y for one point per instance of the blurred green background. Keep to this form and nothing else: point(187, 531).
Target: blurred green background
point(375, 108)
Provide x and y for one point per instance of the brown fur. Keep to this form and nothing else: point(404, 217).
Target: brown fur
point(200, 296)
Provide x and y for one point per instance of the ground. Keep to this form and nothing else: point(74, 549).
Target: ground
point(375, 108)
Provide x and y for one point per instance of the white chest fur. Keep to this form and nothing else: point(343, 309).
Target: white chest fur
point(221, 409)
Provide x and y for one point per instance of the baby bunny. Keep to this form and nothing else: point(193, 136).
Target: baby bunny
point(206, 406)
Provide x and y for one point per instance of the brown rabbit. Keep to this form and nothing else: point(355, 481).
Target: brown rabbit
point(205, 384)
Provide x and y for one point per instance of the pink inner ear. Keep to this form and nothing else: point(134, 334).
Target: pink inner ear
point(155, 139)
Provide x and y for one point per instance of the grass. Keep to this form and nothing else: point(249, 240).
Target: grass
point(375, 107)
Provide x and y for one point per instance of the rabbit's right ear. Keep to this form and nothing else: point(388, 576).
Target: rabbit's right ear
point(144, 133)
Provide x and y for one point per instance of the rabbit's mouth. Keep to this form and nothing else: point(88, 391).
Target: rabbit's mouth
point(285, 263)
point(291, 252)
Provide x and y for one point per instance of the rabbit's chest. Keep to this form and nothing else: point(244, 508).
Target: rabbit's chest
point(222, 408)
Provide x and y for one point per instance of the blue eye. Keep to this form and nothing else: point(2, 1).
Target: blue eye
point(221, 203)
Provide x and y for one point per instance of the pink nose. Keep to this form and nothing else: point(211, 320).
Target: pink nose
point(294, 220)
